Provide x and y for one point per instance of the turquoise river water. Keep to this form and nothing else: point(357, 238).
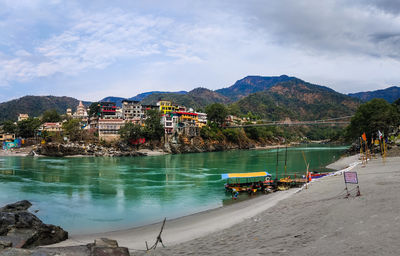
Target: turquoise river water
point(93, 194)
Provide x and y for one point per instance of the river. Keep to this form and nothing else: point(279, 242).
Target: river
point(93, 194)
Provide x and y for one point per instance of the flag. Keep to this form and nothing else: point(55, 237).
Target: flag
point(364, 136)
point(380, 134)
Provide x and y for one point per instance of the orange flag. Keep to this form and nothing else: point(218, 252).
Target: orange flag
point(364, 136)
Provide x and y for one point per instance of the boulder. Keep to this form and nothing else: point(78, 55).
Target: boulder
point(16, 207)
point(5, 244)
point(107, 251)
point(105, 242)
point(105, 246)
point(24, 230)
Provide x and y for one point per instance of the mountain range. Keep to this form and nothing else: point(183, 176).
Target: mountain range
point(389, 94)
point(139, 97)
point(275, 98)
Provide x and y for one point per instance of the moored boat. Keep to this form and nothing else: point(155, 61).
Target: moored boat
point(247, 182)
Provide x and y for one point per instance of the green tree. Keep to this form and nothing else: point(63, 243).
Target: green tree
point(216, 113)
point(234, 109)
point(72, 128)
point(153, 130)
point(94, 109)
point(9, 127)
point(372, 116)
point(131, 131)
point(27, 128)
point(51, 116)
point(396, 104)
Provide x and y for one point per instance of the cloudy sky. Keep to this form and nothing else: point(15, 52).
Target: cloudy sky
point(93, 49)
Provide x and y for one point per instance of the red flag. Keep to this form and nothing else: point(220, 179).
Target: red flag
point(364, 136)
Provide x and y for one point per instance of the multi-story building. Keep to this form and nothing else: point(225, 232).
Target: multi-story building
point(109, 128)
point(170, 122)
point(51, 127)
point(201, 119)
point(69, 112)
point(187, 117)
point(107, 109)
point(146, 108)
point(180, 122)
point(132, 110)
point(22, 117)
point(166, 106)
point(7, 137)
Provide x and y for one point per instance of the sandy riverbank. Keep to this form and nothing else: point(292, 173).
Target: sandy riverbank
point(24, 151)
point(316, 221)
point(188, 227)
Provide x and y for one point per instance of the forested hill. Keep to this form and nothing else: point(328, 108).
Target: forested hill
point(252, 84)
point(390, 94)
point(139, 97)
point(268, 97)
point(297, 100)
point(35, 106)
point(197, 98)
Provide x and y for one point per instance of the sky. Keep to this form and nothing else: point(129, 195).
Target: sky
point(93, 49)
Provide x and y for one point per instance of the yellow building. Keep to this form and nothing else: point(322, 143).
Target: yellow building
point(7, 137)
point(188, 117)
point(166, 106)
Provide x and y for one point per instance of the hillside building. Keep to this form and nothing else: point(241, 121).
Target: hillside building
point(7, 137)
point(107, 110)
point(69, 112)
point(201, 119)
point(170, 122)
point(51, 127)
point(132, 110)
point(22, 117)
point(109, 128)
point(166, 106)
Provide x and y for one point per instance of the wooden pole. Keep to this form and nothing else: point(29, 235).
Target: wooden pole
point(285, 160)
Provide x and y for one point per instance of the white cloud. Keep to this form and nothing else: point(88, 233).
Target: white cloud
point(159, 45)
point(95, 41)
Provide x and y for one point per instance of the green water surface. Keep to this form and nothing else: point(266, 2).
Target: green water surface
point(93, 194)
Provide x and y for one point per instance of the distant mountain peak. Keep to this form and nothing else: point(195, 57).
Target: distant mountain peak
point(390, 94)
point(252, 84)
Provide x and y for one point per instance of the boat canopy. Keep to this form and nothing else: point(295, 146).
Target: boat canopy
point(244, 175)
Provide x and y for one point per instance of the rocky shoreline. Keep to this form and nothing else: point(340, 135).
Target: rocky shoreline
point(22, 229)
point(186, 145)
point(22, 233)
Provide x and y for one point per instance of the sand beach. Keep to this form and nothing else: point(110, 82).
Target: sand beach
point(318, 220)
